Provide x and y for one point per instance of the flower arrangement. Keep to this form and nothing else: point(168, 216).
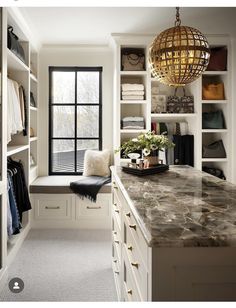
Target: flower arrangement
point(146, 142)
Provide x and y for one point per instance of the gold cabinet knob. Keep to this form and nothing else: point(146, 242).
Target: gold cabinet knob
point(114, 185)
point(130, 247)
point(130, 291)
point(133, 227)
point(135, 264)
point(116, 272)
point(117, 211)
point(115, 204)
point(127, 214)
point(114, 232)
point(116, 241)
point(115, 261)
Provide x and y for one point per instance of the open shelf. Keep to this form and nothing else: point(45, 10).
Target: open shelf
point(215, 73)
point(14, 63)
point(33, 108)
point(13, 149)
point(32, 77)
point(205, 101)
point(214, 159)
point(33, 139)
point(133, 131)
point(133, 102)
point(133, 73)
point(173, 115)
point(215, 130)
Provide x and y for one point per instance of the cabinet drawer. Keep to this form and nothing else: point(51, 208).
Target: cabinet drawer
point(53, 207)
point(116, 206)
point(116, 241)
point(116, 272)
point(137, 265)
point(99, 210)
point(136, 233)
point(131, 292)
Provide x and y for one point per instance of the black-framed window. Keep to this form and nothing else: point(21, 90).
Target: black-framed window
point(75, 117)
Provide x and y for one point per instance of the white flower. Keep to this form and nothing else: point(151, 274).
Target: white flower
point(153, 147)
point(135, 139)
point(146, 152)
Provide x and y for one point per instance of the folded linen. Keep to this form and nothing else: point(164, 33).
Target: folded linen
point(133, 127)
point(132, 119)
point(132, 92)
point(132, 97)
point(132, 87)
point(133, 124)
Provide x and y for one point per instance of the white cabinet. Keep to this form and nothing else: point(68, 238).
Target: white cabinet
point(146, 273)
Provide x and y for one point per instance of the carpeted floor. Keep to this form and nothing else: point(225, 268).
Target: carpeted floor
point(63, 265)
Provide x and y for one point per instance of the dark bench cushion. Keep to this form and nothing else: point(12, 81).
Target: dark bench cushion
point(59, 185)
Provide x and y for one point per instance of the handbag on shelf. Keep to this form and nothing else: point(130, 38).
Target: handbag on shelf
point(14, 45)
point(218, 59)
point(180, 104)
point(158, 104)
point(133, 59)
point(32, 100)
point(213, 91)
point(213, 120)
point(214, 150)
point(214, 171)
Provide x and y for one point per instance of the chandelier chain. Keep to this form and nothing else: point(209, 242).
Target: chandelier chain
point(178, 20)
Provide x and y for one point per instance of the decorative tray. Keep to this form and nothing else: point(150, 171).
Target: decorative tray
point(148, 171)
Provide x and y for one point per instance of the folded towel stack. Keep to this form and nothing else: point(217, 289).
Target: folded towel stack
point(132, 91)
point(132, 123)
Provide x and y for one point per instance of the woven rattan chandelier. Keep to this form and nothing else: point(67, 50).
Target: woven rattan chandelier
point(179, 55)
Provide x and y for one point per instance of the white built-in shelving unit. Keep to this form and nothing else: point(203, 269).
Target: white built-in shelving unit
point(20, 147)
point(143, 108)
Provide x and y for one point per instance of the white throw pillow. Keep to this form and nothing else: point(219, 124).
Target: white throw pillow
point(97, 163)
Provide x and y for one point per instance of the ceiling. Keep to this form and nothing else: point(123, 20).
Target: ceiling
point(81, 25)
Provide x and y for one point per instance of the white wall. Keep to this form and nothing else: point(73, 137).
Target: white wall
point(73, 56)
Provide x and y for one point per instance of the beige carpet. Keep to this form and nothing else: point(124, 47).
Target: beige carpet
point(63, 265)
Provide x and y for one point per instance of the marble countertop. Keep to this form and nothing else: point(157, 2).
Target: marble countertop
point(182, 207)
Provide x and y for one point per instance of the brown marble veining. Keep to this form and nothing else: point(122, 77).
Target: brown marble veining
point(182, 207)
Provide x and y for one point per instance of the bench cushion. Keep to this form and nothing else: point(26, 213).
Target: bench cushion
point(59, 185)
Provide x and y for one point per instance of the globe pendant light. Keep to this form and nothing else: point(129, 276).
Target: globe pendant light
point(179, 55)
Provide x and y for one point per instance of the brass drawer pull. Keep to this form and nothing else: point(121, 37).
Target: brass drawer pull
point(116, 272)
point(127, 214)
point(115, 261)
point(115, 204)
point(130, 248)
point(117, 211)
point(114, 185)
point(133, 227)
point(135, 264)
point(52, 207)
point(114, 232)
point(93, 207)
point(129, 292)
point(116, 241)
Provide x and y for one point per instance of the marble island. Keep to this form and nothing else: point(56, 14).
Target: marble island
point(182, 207)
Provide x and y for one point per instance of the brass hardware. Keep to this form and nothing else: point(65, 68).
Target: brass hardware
point(129, 292)
point(115, 204)
point(130, 248)
point(114, 261)
point(116, 272)
point(93, 207)
point(52, 207)
point(114, 232)
point(133, 227)
point(127, 214)
point(114, 185)
point(135, 264)
point(116, 241)
point(117, 211)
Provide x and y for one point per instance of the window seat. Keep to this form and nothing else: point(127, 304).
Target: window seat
point(59, 185)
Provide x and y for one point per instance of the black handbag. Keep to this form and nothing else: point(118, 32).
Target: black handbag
point(214, 171)
point(180, 104)
point(132, 59)
point(214, 150)
point(213, 120)
point(14, 45)
point(32, 100)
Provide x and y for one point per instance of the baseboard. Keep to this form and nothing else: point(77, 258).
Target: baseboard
point(91, 224)
point(21, 237)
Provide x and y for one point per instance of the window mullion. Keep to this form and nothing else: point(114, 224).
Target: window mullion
point(76, 121)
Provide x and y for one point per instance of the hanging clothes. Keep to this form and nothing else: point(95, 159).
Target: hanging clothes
point(16, 109)
point(18, 184)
